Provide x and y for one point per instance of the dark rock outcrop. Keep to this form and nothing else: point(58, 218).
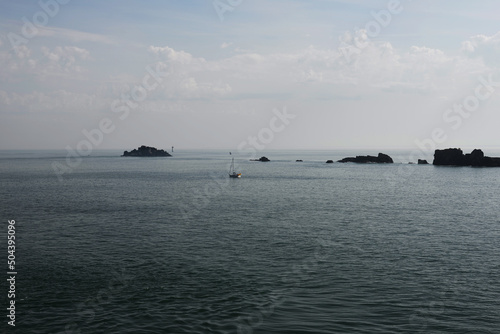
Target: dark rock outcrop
point(449, 157)
point(263, 159)
point(455, 157)
point(146, 151)
point(380, 159)
point(329, 161)
point(422, 162)
point(298, 160)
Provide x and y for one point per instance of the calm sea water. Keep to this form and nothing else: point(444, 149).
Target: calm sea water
point(172, 245)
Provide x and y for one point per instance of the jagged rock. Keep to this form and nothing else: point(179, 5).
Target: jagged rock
point(422, 162)
point(146, 151)
point(381, 158)
point(455, 157)
point(329, 161)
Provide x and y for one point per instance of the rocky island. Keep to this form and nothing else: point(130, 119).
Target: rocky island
point(261, 159)
point(456, 157)
point(146, 151)
point(363, 159)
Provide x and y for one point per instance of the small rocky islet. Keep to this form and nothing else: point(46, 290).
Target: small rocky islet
point(261, 159)
point(146, 151)
point(381, 158)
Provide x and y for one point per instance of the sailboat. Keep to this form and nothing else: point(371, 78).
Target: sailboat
point(232, 172)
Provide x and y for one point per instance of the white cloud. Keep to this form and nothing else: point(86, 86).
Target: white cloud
point(484, 47)
point(377, 65)
point(63, 60)
point(307, 73)
point(225, 45)
point(19, 60)
point(66, 61)
point(23, 52)
point(480, 40)
point(187, 76)
point(170, 55)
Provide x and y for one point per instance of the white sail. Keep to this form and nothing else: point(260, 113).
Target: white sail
point(232, 172)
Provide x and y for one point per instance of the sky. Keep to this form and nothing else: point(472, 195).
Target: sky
point(241, 74)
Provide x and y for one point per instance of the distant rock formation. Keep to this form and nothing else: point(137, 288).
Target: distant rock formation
point(380, 159)
point(298, 160)
point(329, 161)
point(146, 151)
point(263, 159)
point(455, 157)
point(422, 162)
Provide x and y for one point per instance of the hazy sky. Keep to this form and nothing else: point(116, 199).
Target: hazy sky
point(208, 74)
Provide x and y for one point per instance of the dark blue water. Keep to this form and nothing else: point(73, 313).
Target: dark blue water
point(172, 245)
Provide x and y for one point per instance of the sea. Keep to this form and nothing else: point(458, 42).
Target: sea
point(116, 244)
